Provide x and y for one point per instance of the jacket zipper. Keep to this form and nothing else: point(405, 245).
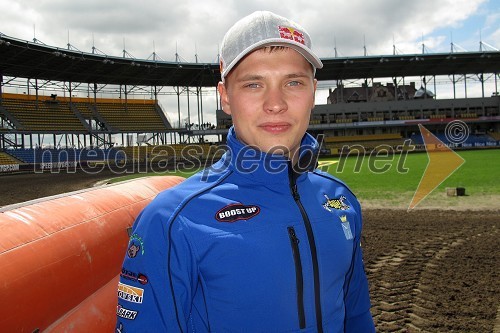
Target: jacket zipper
point(312, 247)
point(299, 279)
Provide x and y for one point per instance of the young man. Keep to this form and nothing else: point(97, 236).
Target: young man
point(259, 242)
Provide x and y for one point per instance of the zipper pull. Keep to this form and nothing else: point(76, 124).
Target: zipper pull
point(292, 177)
point(295, 192)
point(293, 236)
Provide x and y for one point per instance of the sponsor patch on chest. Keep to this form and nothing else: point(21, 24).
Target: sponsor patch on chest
point(235, 212)
point(338, 204)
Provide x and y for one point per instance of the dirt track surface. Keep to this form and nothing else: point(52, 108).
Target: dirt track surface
point(428, 270)
point(17, 188)
point(433, 271)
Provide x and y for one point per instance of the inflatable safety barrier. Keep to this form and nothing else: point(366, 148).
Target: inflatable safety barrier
point(60, 256)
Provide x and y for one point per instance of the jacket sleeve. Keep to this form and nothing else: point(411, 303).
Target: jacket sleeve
point(158, 276)
point(357, 298)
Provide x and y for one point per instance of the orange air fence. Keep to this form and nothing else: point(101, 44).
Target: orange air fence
point(60, 257)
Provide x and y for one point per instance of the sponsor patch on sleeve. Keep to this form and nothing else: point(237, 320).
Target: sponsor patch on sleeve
point(130, 293)
point(136, 246)
point(125, 313)
point(132, 276)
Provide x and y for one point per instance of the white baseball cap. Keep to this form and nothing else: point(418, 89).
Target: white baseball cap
point(261, 29)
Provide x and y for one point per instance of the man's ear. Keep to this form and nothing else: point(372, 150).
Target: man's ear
point(224, 100)
point(315, 85)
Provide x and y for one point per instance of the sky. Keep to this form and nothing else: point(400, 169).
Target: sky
point(192, 30)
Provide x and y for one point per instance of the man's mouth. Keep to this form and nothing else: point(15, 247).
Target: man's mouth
point(275, 127)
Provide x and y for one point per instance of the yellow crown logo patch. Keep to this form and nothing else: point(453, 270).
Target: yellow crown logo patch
point(340, 203)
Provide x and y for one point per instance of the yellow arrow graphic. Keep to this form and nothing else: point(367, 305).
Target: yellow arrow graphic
point(443, 161)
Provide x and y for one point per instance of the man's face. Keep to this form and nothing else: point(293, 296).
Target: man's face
point(269, 96)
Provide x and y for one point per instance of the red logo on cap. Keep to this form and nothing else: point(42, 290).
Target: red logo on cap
point(292, 34)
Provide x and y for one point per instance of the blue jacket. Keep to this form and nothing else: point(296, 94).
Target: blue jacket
point(248, 245)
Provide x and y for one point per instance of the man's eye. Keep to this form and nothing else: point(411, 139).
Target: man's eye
point(252, 85)
point(294, 83)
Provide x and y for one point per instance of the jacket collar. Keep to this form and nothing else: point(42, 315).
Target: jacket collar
point(268, 168)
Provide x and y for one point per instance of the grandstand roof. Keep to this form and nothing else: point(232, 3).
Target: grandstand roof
point(20, 58)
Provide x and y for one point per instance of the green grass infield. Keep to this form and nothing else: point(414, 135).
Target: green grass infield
point(391, 179)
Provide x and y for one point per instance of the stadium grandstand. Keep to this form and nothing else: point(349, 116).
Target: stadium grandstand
point(373, 102)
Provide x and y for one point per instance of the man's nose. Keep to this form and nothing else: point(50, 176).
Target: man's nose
point(275, 100)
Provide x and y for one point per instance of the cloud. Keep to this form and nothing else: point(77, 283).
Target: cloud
point(352, 24)
point(193, 29)
point(196, 27)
